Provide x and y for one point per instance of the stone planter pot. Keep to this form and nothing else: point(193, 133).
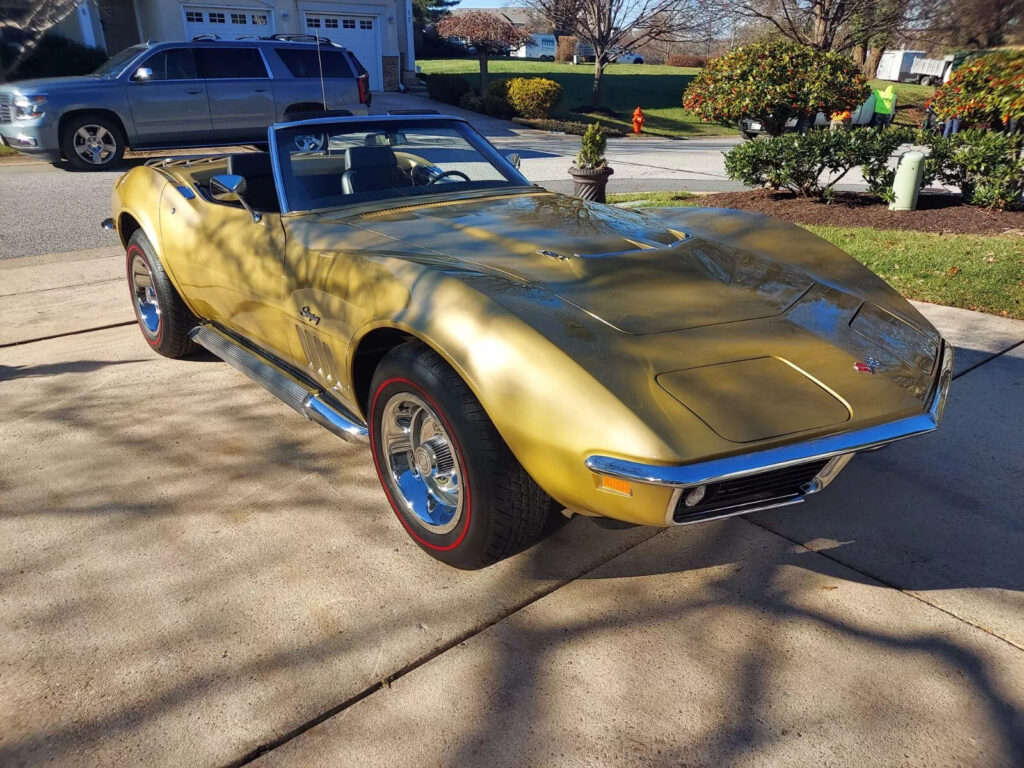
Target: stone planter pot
point(589, 184)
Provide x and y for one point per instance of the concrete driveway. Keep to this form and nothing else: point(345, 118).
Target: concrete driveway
point(191, 575)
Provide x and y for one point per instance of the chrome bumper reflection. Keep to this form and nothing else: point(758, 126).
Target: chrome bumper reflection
point(844, 445)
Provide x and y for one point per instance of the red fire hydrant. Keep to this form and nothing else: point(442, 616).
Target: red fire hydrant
point(638, 120)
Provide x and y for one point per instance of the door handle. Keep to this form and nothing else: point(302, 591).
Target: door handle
point(193, 93)
point(260, 90)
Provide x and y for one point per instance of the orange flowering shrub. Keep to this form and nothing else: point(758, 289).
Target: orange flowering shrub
point(775, 82)
point(986, 89)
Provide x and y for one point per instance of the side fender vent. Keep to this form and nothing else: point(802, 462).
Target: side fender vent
point(319, 357)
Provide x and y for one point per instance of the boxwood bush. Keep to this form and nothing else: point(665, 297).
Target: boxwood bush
point(533, 97)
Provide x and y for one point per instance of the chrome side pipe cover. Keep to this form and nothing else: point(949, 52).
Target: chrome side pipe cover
point(310, 402)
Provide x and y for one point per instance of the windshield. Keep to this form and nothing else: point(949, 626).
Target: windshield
point(117, 62)
point(344, 162)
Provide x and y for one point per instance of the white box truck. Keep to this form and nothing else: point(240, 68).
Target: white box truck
point(540, 47)
point(895, 65)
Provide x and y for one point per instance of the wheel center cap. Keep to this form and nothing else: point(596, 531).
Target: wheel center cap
point(424, 459)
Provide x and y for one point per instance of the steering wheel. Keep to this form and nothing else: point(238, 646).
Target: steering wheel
point(307, 142)
point(448, 173)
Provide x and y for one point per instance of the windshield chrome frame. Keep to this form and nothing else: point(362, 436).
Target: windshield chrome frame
point(476, 140)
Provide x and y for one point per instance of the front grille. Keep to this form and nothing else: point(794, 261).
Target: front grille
point(6, 108)
point(747, 493)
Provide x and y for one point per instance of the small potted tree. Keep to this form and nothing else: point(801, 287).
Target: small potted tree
point(590, 172)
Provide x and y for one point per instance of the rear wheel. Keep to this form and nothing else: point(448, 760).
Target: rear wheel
point(451, 480)
point(92, 142)
point(163, 318)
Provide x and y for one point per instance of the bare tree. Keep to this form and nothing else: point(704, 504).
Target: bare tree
point(972, 23)
point(28, 24)
point(831, 25)
point(608, 26)
point(489, 33)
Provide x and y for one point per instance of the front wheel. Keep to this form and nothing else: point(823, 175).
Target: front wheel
point(163, 318)
point(450, 478)
point(92, 142)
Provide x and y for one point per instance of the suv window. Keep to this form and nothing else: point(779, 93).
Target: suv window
point(173, 64)
point(303, 62)
point(234, 63)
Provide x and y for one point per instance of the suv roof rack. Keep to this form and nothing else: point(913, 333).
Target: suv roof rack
point(290, 37)
point(203, 38)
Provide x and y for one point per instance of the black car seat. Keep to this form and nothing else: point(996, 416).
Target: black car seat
point(255, 168)
point(372, 168)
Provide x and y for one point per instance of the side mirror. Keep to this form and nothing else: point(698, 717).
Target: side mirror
point(227, 188)
point(513, 157)
point(230, 188)
point(143, 74)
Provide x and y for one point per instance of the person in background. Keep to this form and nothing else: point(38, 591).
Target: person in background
point(885, 107)
point(951, 126)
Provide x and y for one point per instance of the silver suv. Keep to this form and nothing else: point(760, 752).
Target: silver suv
point(202, 93)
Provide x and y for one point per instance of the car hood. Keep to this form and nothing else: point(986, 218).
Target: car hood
point(48, 84)
point(631, 271)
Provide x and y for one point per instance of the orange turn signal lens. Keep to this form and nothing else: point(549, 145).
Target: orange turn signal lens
point(615, 485)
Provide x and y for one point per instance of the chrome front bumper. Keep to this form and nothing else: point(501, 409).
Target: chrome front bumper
point(840, 448)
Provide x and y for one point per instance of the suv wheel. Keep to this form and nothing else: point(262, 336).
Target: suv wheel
point(92, 142)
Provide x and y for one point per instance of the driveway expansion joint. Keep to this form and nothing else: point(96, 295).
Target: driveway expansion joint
point(456, 641)
point(882, 582)
point(69, 333)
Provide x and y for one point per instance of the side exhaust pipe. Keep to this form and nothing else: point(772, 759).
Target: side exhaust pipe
point(314, 404)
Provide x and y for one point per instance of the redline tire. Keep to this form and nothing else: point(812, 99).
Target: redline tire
point(163, 318)
point(499, 509)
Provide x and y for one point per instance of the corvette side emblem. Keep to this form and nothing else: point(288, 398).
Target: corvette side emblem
point(867, 366)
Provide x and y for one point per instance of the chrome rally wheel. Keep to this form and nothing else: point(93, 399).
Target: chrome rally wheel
point(147, 303)
point(163, 318)
point(422, 463)
point(448, 475)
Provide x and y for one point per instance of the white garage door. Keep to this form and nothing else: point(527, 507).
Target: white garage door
point(360, 34)
point(227, 23)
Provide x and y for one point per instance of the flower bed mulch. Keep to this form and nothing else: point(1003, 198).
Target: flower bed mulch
point(935, 213)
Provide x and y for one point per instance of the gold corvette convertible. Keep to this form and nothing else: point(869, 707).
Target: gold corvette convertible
point(509, 352)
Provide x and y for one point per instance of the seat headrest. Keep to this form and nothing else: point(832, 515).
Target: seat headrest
point(250, 164)
point(370, 157)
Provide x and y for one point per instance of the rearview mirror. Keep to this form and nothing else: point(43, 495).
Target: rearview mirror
point(227, 188)
point(513, 157)
point(143, 73)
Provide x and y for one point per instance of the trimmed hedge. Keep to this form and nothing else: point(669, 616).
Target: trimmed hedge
point(985, 166)
point(686, 60)
point(571, 127)
point(447, 88)
point(533, 96)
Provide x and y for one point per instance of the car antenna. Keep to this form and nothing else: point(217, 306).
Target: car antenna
point(320, 63)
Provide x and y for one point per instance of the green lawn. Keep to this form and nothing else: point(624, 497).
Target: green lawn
point(982, 272)
point(658, 89)
point(5, 150)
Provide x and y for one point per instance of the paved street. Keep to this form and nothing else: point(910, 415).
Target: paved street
point(192, 575)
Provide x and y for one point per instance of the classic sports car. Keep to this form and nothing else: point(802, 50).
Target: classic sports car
point(509, 352)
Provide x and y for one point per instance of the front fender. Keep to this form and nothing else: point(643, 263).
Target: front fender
point(550, 410)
